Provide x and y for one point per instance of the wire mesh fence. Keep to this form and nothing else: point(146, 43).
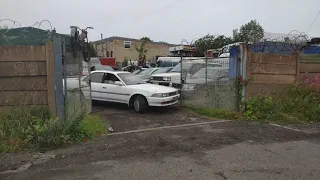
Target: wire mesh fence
point(206, 83)
point(76, 87)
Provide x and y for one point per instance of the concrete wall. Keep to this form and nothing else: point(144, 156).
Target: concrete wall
point(274, 73)
point(27, 76)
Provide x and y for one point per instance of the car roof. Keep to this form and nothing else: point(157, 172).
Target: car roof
point(112, 72)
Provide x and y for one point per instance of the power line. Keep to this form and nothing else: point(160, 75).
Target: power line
point(314, 21)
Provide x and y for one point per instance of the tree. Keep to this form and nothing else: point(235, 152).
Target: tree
point(211, 42)
point(146, 39)
point(250, 32)
point(142, 50)
point(92, 51)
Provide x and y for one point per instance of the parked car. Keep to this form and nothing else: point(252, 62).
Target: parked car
point(216, 76)
point(127, 88)
point(146, 76)
point(173, 78)
point(139, 70)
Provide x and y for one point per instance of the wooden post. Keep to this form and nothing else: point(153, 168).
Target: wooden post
point(50, 78)
point(298, 67)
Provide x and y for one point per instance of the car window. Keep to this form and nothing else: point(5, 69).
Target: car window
point(162, 70)
point(109, 78)
point(211, 73)
point(96, 77)
point(147, 71)
point(223, 73)
point(131, 79)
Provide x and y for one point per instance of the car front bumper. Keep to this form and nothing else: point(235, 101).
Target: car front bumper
point(165, 101)
point(166, 83)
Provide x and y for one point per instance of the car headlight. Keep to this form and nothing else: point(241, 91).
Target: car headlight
point(167, 78)
point(160, 95)
point(151, 78)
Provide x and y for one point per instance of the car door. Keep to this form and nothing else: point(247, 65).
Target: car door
point(96, 83)
point(111, 91)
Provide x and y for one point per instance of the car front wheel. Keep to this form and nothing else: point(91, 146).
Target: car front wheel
point(140, 104)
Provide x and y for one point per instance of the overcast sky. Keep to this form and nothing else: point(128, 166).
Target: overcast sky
point(165, 20)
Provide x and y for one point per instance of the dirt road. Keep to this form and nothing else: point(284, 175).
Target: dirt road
point(189, 147)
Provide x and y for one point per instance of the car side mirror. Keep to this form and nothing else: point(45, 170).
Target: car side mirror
point(119, 83)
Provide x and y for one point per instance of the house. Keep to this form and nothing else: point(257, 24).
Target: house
point(125, 48)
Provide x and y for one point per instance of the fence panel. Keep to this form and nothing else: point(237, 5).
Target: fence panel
point(209, 83)
point(309, 69)
point(270, 73)
point(25, 77)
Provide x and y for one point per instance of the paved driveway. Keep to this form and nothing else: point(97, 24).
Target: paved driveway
point(163, 147)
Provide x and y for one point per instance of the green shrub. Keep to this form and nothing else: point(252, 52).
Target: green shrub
point(260, 108)
point(33, 129)
point(300, 104)
point(303, 101)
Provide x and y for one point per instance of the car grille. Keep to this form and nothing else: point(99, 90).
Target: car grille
point(164, 84)
point(173, 93)
point(157, 78)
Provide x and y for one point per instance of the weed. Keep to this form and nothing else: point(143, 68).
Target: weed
point(33, 129)
point(300, 104)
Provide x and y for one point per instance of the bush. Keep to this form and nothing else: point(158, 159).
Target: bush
point(300, 104)
point(260, 108)
point(303, 101)
point(33, 129)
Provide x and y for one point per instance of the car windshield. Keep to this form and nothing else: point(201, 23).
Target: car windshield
point(147, 71)
point(162, 70)
point(131, 79)
point(211, 73)
point(185, 66)
point(137, 71)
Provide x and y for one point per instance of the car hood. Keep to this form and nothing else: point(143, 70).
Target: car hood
point(145, 76)
point(153, 88)
point(190, 80)
point(197, 80)
point(170, 74)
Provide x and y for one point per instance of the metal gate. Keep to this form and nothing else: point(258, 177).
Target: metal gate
point(210, 82)
point(73, 92)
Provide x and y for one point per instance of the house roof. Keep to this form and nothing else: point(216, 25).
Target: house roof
point(128, 39)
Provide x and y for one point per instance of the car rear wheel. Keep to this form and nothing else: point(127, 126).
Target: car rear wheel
point(140, 104)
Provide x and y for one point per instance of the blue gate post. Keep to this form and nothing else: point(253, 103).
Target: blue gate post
point(58, 78)
point(233, 71)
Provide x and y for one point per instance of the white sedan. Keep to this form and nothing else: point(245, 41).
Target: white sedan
point(125, 87)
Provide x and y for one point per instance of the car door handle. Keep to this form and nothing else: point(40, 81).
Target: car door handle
point(104, 87)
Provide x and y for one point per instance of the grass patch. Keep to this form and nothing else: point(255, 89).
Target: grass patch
point(33, 129)
point(217, 113)
point(299, 105)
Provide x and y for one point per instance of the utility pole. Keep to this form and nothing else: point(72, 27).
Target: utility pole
point(102, 45)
